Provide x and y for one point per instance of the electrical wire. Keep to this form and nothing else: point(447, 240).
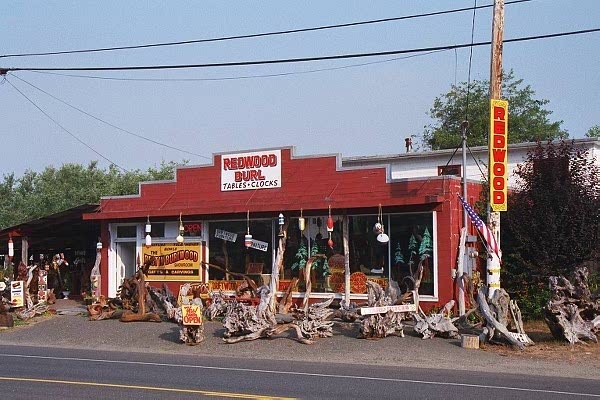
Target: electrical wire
point(256, 35)
point(297, 60)
point(65, 129)
point(108, 123)
point(470, 63)
point(228, 78)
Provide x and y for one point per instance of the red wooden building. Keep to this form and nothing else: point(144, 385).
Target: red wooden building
point(196, 225)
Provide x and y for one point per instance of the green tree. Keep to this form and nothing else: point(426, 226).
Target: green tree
point(37, 194)
point(527, 121)
point(553, 220)
point(593, 132)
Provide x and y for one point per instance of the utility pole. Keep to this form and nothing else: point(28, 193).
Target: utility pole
point(493, 262)
point(464, 127)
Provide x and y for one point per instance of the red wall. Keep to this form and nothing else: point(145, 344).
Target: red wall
point(310, 183)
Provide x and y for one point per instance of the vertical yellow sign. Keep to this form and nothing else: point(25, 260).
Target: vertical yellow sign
point(498, 154)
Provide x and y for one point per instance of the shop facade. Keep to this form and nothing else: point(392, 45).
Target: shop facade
point(219, 222)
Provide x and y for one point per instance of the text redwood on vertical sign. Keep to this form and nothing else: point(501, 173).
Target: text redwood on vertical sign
point(498, 154)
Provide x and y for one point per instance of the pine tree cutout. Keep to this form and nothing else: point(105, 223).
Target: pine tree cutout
point(426, 247)
point(301, 257)
point(412, 248)
point(398, 257)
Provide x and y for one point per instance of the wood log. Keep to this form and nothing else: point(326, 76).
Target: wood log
point(469, 341)
point(130, 316)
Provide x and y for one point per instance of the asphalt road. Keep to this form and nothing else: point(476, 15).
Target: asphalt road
point(42, 372)
point(69, 356)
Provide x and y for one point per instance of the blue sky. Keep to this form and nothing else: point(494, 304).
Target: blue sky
point(323, 107)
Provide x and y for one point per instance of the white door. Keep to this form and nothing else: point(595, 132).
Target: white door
point(126, 262)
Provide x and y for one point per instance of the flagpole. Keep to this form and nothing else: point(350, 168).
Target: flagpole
point(493, 262)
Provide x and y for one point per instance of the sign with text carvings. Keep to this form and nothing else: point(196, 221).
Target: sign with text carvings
point(173, 261)
point(249, 171)
point(498, 154)
point(191, 314)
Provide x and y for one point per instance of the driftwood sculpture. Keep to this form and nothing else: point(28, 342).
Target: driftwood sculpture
point(246, 322)
point(30, 312)
point(188, 314)
point(380, 325)
point(439, 324)
point(133, 298)
point(572, 313)
point(287, 300)
point(496, 320)
point(494, 327)
point(134, 290)
point(6, 318)
point(104, 308)
point(218, 306)
point(316, 322)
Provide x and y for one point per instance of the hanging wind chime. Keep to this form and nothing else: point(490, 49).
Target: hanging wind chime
point(11, 248)
point(248, 237)
point(281, 223)
point(301, 222)
point(378, 228)
point(148, 230)
point(179, 237)
point(330, 228)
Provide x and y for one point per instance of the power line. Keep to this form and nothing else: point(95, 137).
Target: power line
point(228, 78)
point(257, 35)
point(63, 128)
point(109, 124)
point(297, 60)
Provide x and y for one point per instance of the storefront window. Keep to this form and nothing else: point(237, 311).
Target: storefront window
point(230, 256)
point(313, 242)
point(157, 230)
point(411, 243)
point(126, 231)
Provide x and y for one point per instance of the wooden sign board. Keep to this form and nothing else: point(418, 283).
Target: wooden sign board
point(17, 293)
point(191, 314)
point(384, 309)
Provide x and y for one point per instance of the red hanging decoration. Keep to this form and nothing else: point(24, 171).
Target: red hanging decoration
point(330, 228)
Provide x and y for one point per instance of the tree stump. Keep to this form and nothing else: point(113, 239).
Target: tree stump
point(571, 313)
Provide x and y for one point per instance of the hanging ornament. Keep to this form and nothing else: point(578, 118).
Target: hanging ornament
point(281, 223)
point(330, 228)
point(148, 230)
point(248, 237)
point(301, 222)
point(11, 248)
point(179, 237)
point(378, 228)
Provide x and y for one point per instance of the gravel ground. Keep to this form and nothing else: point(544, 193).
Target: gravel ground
point(74, 330)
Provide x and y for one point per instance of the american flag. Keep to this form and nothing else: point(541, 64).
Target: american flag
point(488, 235)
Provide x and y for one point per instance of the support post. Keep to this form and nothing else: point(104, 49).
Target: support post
point(345, 221)
point(493, 263)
